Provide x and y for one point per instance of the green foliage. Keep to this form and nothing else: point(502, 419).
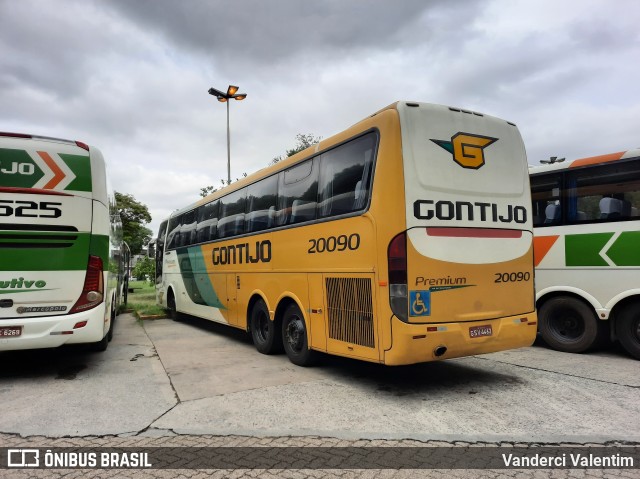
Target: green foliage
point(143, 268)
point(134, 216)
point(303, 141)
point(207, 190)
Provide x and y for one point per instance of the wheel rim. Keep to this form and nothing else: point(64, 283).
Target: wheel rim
point(294, 334)
point(262, 326)
point(567, 324)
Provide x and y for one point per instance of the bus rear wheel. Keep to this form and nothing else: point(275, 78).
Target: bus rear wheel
point(263, 331)
point(628, 329)
point(294, 338)
point(101, 345)
point(568, 324)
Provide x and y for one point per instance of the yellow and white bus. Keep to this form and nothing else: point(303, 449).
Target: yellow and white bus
point(587, 251)
point(406, 238)
point(61, 249)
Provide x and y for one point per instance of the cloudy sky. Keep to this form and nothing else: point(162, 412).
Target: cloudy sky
point(131, 76)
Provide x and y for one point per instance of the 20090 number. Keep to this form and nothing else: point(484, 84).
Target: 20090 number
point(334, 243)
point(512, 277)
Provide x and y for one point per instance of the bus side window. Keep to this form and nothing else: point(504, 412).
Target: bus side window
point(545, 197)
point(298, 193)
point(207, 227)
point(607, 192)
point(345, 174)
point(173, 237)
point(232, 214)
point(261, 202)
point(160, 251)
point(188, 228)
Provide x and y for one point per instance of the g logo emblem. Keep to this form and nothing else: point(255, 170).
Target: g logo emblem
point(467, 149)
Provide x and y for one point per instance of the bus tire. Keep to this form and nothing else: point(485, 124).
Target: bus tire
point(112, 324)
point(628, 329)
point(266, 338)
point(101, 345)
point(171, 306)
point(570, 325)
point(294, 337)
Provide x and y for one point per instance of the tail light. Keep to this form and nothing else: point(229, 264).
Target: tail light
point(397, 262)
point(93, 289)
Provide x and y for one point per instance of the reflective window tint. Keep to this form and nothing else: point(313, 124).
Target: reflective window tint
point(232, 208)
point(298, 193)
point(188, 228)
point(609, 192)
point(207, 222)
point(345, 174)
point(289, 197)
point(545, 196)
point(173, 235)
point(160, 251)
point(261, 204)
point(606, 193)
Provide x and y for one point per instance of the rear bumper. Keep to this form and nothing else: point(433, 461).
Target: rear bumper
point(412, 343)
point(44, 332)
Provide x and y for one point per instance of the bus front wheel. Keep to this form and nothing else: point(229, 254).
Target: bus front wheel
point(171, 305)
point(628, 329)
point(570, 325)
point(294, 338)
point(263, 331)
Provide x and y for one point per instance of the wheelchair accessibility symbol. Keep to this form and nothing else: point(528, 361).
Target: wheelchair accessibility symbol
point(419, 303)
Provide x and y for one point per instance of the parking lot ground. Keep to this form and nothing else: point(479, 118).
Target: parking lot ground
point(197, 384)
point(531, 394)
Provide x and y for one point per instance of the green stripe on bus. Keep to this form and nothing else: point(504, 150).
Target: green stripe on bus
point(100, 247)
point(195, 277)
point(81, 168)
point(584, 250)
point(625, 251)
point(18, 169)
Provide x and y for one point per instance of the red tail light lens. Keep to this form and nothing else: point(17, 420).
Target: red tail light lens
point(82, 145)
point(397, 256)
point(397, 263)
point(93, 289)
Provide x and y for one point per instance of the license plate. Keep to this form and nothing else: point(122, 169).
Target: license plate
point(10, 331)
point(478, 331)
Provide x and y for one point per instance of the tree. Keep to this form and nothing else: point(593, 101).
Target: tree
point(303, 141)
point(134, 216)
point(144, 268)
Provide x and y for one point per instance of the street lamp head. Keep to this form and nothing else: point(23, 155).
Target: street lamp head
point(222, 99)
point(240, 96)
point(214, 92)
point(232, 90)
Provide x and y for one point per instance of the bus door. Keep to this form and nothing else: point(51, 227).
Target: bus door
point(233, 284)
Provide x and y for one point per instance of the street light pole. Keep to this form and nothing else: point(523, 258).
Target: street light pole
point(228, 148)
point(224, 98)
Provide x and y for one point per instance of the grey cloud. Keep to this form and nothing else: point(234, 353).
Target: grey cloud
point(267, 31)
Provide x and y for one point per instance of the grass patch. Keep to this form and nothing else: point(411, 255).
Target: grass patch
point(143, 299)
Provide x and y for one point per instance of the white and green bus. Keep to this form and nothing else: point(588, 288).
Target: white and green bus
point(61, 249)
point(587, 251)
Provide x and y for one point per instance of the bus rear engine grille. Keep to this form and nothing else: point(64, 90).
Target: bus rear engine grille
point(350, 310)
